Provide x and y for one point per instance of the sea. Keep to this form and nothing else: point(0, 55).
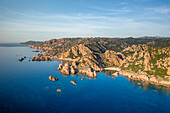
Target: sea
point(25, 88)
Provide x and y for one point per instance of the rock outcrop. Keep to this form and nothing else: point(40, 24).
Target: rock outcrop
point(88, 72)
point(21, 59)
point(73, 82)
point(68, 68)
point(113, 58)
point(148, 78)
point(40, 58)
point(58, 90)
point(53, 78)
point(72, 68)
point(143, 58)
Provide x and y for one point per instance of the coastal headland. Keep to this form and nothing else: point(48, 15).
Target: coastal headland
point(145, 59)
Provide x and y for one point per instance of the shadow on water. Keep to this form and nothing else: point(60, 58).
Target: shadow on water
point(109, 72)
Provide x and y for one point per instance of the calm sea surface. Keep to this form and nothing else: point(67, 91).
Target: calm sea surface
point(25, 87)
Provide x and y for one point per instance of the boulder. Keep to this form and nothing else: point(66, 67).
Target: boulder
point(21, 59)
point(42, 58)
point(37, 59)
point(65, 71)
point(33, 58)
point(54, 79)
point(73, 82)
point(50, 77)
point(40, 55)
point(60, 66)
point(58, 90)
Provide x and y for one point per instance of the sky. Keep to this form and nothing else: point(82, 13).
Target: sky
point(39, 20)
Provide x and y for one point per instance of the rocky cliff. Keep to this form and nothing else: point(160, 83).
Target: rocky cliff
point(146, 59)
point(150, 57)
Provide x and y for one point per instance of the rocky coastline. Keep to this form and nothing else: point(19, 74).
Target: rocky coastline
point(142, 77)
point(148, 61)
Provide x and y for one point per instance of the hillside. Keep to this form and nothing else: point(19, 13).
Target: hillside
point(149, 56)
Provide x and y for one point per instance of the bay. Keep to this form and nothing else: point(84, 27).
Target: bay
point(25, 87)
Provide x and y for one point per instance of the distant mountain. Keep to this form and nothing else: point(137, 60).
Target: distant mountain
point(30, 42)
point(154, 37)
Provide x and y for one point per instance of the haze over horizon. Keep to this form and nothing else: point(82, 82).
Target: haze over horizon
point(23, 20)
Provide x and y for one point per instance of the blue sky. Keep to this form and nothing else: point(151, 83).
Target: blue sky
point(23, 20)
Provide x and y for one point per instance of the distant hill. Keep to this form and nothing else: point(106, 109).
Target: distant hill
point(154, 37)
point(30, 42)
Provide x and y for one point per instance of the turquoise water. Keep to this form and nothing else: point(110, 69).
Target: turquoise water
point(25, 87)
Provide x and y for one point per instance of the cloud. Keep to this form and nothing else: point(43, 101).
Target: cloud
point(37, 24)
point(163, 10)
point(121, 10)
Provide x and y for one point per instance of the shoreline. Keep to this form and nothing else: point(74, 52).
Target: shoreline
point(129, 74)
point(150, 78)
point(141, 77)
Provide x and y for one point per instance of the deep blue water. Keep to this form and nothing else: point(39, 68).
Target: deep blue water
point(25, 87)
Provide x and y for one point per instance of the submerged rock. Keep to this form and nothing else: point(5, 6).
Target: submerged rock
point(113, 77)
point(139, 83)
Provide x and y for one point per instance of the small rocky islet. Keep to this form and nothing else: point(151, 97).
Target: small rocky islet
point(53, 78)
point(137, 58)
point(22, 58)
point(41, 58)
